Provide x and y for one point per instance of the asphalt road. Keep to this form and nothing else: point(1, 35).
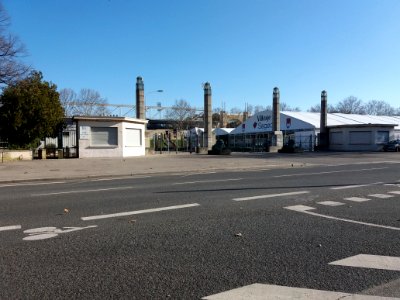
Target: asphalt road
point(194, 235)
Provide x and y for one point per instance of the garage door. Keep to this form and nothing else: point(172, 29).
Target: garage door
point(360, 137)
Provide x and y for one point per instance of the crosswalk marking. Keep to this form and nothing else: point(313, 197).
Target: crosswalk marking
point(259, 291)
point(331, 203)
point(395, 192)
point(381, 196)
point(357, 199)
point(370, 261)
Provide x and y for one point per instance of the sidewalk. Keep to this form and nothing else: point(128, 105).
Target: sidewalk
point(58, 169)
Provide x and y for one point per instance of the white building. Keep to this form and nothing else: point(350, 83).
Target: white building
point(110, 136)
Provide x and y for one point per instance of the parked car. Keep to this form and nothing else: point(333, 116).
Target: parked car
point(392, 146)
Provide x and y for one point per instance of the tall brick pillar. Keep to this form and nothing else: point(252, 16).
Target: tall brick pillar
point(140, 109)
point(207, 117)
point(323, 130)
point(277, 137)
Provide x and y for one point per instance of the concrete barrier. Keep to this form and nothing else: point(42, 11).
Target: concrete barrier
point(10, 155)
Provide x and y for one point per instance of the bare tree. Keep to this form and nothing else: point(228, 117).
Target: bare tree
point(87, 103)
point(249, 109)
point(68, 101)
point(379, 108)
point(259, 108)
point(317, 108)
point(217, 110)
point(286, 107)
point(182, 113)
point(11, 69)
point(216, 119)
point(351, 105)
point(235, 110)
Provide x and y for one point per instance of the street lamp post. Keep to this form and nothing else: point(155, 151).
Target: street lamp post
point(148, 107)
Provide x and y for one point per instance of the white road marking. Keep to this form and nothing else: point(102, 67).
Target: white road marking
point(119, 178)
point(305, 209)
point(198, 173)
point(12, 227)
point(144, 211)
point(329, 172)
point(357, 199)
point(381, 196)
point(331, 203)
point(259, 291)
point(370, 261)
point(354, 186)
point(44, 233)
point(207, 181)
point(84, 191)
point(363, 163)
point(270, 196)
point(30, 183)
point(395, 192)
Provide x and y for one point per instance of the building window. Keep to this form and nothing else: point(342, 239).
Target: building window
point(104, 136)
point(133, 137)
point(382, 137)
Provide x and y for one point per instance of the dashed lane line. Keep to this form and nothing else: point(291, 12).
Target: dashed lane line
point(353, 186)
point(30, 183)
point(259, 291)
point(370, 261)
point(270, 196)
point(194, 174)
point(207, 181)
point(306, 210)
point(121, 178)
point(12, 227)
point(329, 172)
point(136, 212)
point(83, 191)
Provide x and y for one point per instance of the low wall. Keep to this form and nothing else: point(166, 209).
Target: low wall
point(9, 155)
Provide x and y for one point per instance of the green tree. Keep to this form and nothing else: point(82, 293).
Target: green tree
point(30, 110)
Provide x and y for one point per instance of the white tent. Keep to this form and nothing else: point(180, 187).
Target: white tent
point(306, 121)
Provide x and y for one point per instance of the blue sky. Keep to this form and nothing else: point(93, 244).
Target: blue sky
point(243, 48)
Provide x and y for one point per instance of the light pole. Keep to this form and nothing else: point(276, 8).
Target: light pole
point(147, 107)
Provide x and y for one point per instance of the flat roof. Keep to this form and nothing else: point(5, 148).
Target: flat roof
point(108, 119)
